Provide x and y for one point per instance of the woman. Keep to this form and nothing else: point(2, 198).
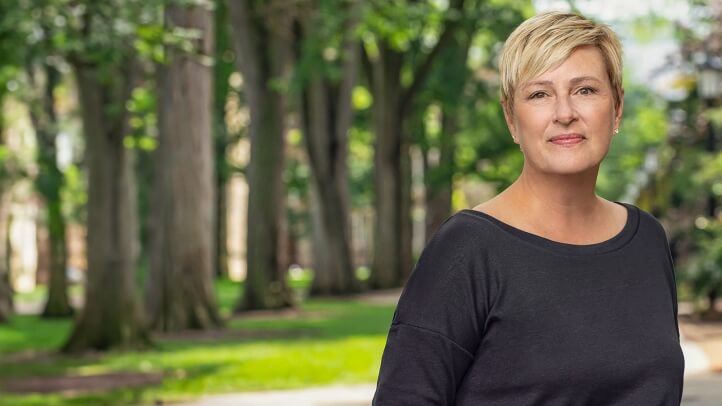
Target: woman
point(547, 294)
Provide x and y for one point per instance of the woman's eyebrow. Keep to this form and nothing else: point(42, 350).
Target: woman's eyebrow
point(573, 81)
point(538, 83)
point(583, 79)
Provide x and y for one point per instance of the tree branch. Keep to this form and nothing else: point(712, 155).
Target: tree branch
point(424, 69)
point(351, 48)
point(367, 64)
point(245, 43)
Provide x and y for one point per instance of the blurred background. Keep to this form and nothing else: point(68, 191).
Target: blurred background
point(202, 196)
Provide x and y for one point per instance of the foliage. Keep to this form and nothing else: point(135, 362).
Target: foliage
point(704, 269)
point(297, 178)
point(484, 148)
point(361, 163)
point(693, 181)
point(644, 127)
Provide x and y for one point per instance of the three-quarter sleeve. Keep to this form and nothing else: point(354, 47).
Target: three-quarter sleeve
point(437, 325)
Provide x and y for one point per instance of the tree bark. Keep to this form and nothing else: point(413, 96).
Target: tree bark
point(439, 176)
point(180, 293)
point(259, 39)
point(111, 316)
point(221, 236)
point(49, 183)
point(387, 118)
point(223, 69)
point(326, 115)
point(6, 291)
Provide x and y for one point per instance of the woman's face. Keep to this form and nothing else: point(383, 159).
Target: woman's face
point(565, 118)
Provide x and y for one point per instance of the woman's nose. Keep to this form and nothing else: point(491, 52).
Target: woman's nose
point(564, 112)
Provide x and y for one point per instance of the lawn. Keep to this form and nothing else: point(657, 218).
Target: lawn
point(326, 342)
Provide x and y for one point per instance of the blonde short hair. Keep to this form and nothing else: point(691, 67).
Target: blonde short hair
point(545, 41)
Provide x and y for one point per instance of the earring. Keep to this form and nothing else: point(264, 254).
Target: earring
point(616, 131)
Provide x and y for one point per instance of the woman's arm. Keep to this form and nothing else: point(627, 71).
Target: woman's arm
point(437, 325)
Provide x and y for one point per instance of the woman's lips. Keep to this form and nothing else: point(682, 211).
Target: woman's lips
point(567, 139)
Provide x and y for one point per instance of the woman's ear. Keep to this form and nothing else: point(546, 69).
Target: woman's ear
point(509, 118)
point(619, 110)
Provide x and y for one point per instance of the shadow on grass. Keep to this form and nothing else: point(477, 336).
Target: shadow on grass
point(129, 389)
point(327, 318)
point(326, 341)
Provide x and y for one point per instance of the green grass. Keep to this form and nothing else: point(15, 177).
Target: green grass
point(30, 333)
point(328, 342)
point(40, 292)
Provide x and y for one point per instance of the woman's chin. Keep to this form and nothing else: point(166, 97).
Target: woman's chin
point(572, 167)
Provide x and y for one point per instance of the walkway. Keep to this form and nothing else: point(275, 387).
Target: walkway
point(701, 344)
point(699, 390)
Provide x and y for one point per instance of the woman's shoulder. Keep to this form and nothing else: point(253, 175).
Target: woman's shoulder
point(648, 223)
point(463, 227)
point(463, 236)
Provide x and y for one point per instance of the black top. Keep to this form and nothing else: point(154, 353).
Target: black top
point(494, 315)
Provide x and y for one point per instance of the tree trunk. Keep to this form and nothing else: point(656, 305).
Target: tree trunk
point(180, 293)
point(406, 231)
point(111, 316)
point(49, 184)
point(58, 302)
point(6, 291)
point(260, 40)
point(326, 115)
point(223, 68)
point(387, 90)
point(221, 238)
point(712, 302)
point(439, 175)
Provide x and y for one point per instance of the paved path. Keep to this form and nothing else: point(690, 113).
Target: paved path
point(329, 396)
point(699, 390)
point(703, 390)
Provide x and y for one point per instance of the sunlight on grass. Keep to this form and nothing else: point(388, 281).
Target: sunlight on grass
point(325, 342)
point(30, 333)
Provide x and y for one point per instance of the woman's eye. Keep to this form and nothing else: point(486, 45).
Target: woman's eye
point(537, 95)
point(586, 91)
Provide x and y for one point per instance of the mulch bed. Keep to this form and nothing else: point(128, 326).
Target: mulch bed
point(79, 383)
point(232, 335)
point(696, 328)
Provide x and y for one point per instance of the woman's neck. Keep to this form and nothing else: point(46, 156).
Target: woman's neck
point(565, 191)
point(557, 202)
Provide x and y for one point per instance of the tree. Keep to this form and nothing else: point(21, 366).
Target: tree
point(111, 315)
point(385, 65)
point(679, 178)
point(461, 101)
point(106, 71)
point(180, 293)
point(261, 34)
point(49, 182)
point(326, 112)
point(12, 31)
point(439, 161)
point(223, 139)
point(43, 76)
point(6, 292)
